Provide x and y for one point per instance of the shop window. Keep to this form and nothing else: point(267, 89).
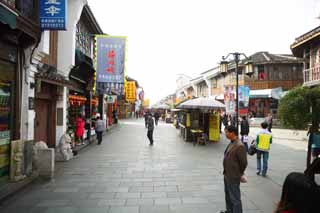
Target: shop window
point(214, 83)
point(262, 75)
point(7, 79)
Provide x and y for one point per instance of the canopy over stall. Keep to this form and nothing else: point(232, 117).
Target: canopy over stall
point(203, 103)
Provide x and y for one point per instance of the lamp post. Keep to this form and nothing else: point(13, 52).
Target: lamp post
point(248, 70)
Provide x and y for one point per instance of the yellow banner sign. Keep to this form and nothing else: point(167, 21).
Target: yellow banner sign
point(214, 127)
point(130, 91)
point(146, 103)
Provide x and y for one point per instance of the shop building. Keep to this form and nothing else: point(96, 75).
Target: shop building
point(75, 60)
point(272, 73)
point(20, 32)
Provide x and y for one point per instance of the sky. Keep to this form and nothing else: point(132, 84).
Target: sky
point(171, 37)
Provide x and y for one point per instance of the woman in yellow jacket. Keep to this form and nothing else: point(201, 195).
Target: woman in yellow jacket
point(263, 141)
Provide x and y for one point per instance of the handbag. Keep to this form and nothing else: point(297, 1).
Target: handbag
point(252, 149)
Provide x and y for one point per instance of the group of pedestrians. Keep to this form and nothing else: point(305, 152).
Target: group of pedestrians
point(80, 126)
point(300, 193)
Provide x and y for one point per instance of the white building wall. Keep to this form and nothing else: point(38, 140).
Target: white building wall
point(28, 91)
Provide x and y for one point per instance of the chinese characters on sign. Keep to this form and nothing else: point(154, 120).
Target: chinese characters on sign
point(53, 14)
point(110, 63)
point(130, 91)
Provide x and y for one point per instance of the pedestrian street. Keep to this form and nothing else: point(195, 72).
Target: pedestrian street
point(124, 174)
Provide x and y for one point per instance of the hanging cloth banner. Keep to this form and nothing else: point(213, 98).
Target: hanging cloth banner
point(230, 99)
point(110, 64)
point(53, 14)
point(244, 92)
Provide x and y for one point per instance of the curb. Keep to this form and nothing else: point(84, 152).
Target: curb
point(12, 187)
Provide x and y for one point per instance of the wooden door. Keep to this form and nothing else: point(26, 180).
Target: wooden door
point(41, 132)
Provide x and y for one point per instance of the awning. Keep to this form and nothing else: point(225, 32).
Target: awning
point(50, 75)
point(275, 93)
point(219, 97)
point(201, 103)
point(7, 16)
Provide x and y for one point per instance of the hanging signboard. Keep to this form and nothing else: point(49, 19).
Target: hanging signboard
point(130, 92)
point(243, 99)
point(110, 64)
point(146, 103)
point(53, 14)
point(111, 99)
point(229, 99)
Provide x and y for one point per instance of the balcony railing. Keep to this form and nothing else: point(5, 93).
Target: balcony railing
point(312, 76)
point(26, 8)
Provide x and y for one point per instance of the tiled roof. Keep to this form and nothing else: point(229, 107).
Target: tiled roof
point(49, 73)
point(268, 58)
point(305, 37)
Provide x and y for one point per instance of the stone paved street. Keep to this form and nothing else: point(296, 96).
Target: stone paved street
point(126, 175)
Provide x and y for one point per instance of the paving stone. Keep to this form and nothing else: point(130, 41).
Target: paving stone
point(167, 201)
point(194, 200)
point(103, 195)
point(93, 210)
point(128, 195)
point(154, 209)
point(51, 203)
point(141, 189)
point(61, 210)
point(165, 189)
point(153, 194)
point(139, 202)
point(124, 209)
point(112, 202)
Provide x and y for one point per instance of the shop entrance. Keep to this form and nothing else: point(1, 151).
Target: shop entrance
point(45, 120)
point(41, 120)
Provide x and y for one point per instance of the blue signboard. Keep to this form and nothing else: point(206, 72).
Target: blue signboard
point(244, 92)
point(53, 14)
point(110, 64)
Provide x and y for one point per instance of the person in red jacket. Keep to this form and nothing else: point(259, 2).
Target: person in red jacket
point(80, 129)
point(299, 195)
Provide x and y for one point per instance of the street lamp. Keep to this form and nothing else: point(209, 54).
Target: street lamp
point(248, 71)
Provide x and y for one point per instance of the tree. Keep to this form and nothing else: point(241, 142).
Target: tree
point(299, 108)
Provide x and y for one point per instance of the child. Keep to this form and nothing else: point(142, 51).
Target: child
point(263, 141)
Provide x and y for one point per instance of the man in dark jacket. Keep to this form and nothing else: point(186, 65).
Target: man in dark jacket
point(150, 126)
point(234, 165)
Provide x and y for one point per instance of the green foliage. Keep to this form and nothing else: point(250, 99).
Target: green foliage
point(294, 108)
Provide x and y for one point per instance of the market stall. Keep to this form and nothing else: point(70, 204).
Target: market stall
point(202, 116)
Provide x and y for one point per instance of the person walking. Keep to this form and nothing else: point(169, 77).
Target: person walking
point(263, 141)
point(244, 131)
point(234, 165)
point(150, 126)
point(99, 129)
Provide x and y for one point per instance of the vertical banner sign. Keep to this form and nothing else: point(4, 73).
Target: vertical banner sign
point(214, 127)
point(243, 99)
point(230, 99)
point(53, 14)
point(146, 103)
point(110, 64)
point(130, 92)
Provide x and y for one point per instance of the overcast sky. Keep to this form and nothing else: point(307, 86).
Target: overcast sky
point(168, 37)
